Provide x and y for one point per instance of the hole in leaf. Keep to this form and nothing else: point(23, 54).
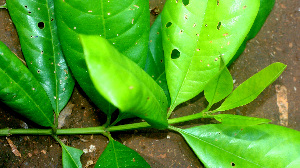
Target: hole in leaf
point(205, 25)
point(219, 25)
point(232, 164)
point(161, 61)
point(29, 12)
point(218, 2)
point(41, 25)
point(175, 54)
point(52, 19)
point(25, 6)
point(168, 24)
point(185, 2)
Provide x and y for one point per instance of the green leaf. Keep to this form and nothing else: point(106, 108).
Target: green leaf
point(237, 120)
point(155, 64)
point(21, 91)
point(123, 83)
point(251, 88)
point(219, 86)
point(3, 6)
point(265, 8)
point(267, 145)
point(195, 33)
point(126, 25)
point(37, 30)
point(117, 155)
point(71, 156)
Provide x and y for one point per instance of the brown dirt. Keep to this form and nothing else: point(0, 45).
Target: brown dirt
point(276, 42)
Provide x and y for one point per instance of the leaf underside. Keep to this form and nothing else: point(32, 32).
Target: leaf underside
point(37, 30)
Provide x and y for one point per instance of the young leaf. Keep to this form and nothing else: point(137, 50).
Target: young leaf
point(219, 86)
point(195, 33)
point(251, 88)
point(126, 25)
point(37, 30)
point(265, 8)
point(21, 91)
point(117, 155)
point(267, 145)
point(237, 120)
point(155, 64)
point(123, 83)
point(71, 156)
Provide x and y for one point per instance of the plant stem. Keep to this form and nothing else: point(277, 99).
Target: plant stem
point(30, 131)
point(88, 130)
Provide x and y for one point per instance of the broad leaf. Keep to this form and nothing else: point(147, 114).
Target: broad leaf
point(117, 155)
point(125, 24)
point(265, 8)
point(251, 88)
point(237, 120)
point(123, 83)
point(37, 31)
point(195, 33)
point(71, 156)
point(219, 86)
point(155, 64)
point(266, 145)
point(21, 91)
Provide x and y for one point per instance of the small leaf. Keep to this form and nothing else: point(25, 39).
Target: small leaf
point(71, 156)
point(219, 86)
point(237, 120)
point(37, 30)
point(123, 83)
point(251, 88)
point(21, 91)
point(155, 63)
point(267, 145)
point(117, 155)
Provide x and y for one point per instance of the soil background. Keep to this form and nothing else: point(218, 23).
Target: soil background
point(276, 42)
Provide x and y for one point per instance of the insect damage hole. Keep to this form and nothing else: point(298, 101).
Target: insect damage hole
point(175, 54)
point(168, 24)
point(41, 25)
point(185, 2)
point(219, 25)
point(232, 164)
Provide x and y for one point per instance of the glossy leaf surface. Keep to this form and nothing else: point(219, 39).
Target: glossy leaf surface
point(219, 86)
point(195, 34)
point(251, 88)
point(266, 145)
point(265, 8)
point(71, 156)
point(155, 64)
point(237, 120)
point(117, 155)
point(37, 30)
point(123, 83)
point(21, 91)
point(125, 24)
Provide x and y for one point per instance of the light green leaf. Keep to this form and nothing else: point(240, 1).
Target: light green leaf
point(123, 83)
point(266, 145)
point(117, 155)
point(37, 30)
point(71, 156)
point(237, 120)
point(251, 88)
point(21, 91)
point(195, 34)
point(125, 24)
point(155, 64)
point(219, 86)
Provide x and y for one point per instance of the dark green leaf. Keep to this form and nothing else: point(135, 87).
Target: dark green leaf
point(219, 86)
point(21, 91)
point(37, 31)
point(155, 64)
point(266, 145)
point(117, 155)
point(71, 156)
point(125, 24)
point(265, 8)
point(195, 35)
point(123, 83)
point(251, 88)
point(237, 120)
